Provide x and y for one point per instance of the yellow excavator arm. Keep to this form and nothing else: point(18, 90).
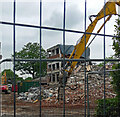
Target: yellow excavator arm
point(108, 10)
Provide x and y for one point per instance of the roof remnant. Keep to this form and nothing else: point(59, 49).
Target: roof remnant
point(69, 49)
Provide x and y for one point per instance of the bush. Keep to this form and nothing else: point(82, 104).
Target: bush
point(111, 110)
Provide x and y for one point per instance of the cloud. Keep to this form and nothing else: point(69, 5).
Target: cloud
point(51, 38)
point(27, 12)
point(6, 12)
point(74, 16)
point(52, 15)
point(25, 35)
point(6, 40)
point(54, 20)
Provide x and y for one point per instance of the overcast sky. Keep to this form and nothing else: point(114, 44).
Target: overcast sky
point(52, 15)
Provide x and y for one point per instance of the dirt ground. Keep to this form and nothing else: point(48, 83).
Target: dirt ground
point(30, 109)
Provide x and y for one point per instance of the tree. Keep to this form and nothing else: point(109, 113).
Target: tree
point(116, 40)
point(113, 105)
point(116, 74)
point(28, 79)
point(10, 75)
point(116, 48)
point(31, 51)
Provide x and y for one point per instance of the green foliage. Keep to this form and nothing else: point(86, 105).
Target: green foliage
point(29, 78)
point(116, 47)
point(31, 51)
point(10, 75)
point(111, 108)
point(116, 40)
point(102, 64)
point(116, 79)
point(113, 105)
point(20, 79)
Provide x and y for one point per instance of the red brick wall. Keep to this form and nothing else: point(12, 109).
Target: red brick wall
point(55, 56)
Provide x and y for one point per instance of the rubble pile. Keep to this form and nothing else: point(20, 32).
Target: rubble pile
point(34, 93)
point(96, 88)
point(74, 90)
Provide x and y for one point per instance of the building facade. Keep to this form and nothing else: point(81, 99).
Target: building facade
point(56, 52)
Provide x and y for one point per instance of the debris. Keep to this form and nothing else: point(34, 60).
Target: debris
point(33, 94)
point(77, 96)
point(35, 101)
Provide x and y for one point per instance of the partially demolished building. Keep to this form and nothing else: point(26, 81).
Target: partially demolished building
point(56, 52)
